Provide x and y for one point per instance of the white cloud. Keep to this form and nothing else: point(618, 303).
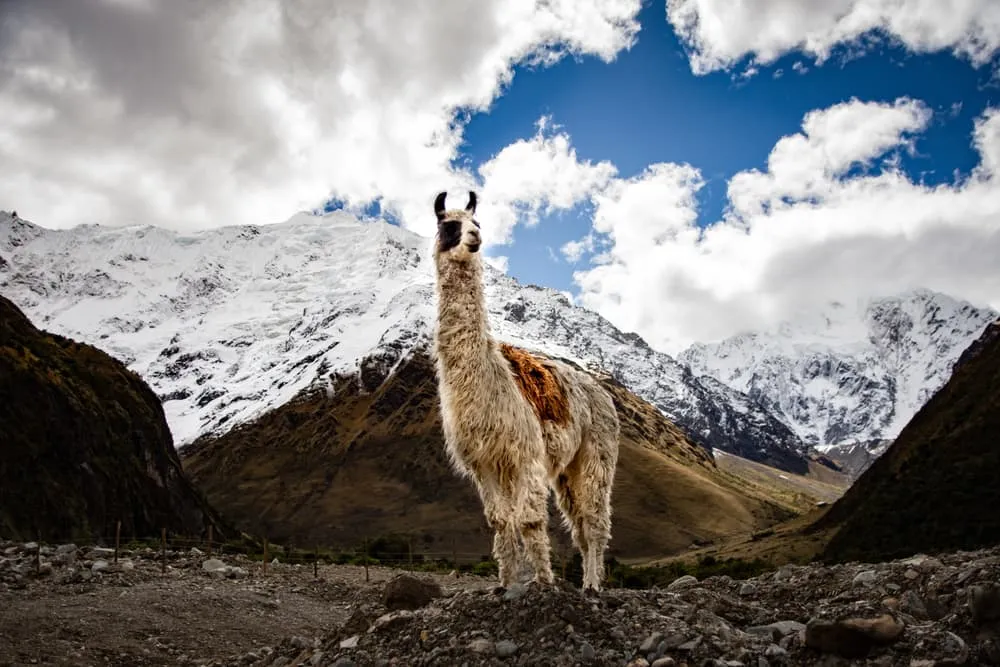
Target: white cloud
point(805, 231)
point(190, 115)
point(537, 176)
point(720, 33)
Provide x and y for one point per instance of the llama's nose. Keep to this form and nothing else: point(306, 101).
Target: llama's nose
point(474, 236)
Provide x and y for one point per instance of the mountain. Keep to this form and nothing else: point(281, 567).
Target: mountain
point(84, 444)
point(365, 459)
point(849, 374)
point(936, 488)
point(231, 323)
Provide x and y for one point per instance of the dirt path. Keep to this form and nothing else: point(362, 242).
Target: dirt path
point(140, 616)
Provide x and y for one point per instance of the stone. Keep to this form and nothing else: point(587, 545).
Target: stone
point(350, 642)
point(775, 651)
point(506, 648)
point(854, 637)
point(515, 591)
point(650, 643)
point(747, 589)
point(587, 652)
point(682, 582)
point(481, 645)
point(984, 603)
point(213, 565)
point(777, 630)
point(408, 592)
point(99, 566)
point(867, 578)
point(665, 661)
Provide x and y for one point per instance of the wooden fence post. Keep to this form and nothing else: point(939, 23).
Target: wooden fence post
point(366, 559)
point(265, 555)
point(454, 555)
point(163, 549)
point(409, 551)
point(209, 540)
point(118, 539)
point(316, 562)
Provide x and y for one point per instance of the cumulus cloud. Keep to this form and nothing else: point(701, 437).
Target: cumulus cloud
point(537, 176)
point(720, 33)
point(190, 115)
point(807, 230)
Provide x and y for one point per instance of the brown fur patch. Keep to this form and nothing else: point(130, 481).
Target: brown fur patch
point(538, 384)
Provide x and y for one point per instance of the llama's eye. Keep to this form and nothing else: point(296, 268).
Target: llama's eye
point(476, 224)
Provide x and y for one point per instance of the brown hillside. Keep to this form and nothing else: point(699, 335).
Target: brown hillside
point(938, 485)
point(83, 444)
point(333, 470)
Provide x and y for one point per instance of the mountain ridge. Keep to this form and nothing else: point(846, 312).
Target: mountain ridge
point(227, 324)
point(842, 376)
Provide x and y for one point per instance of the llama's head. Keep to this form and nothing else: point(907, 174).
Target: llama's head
point(458, 232)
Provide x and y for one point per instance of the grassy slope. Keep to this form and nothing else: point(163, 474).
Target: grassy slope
point(83, 443)
point(938, 485)
point(334, 470)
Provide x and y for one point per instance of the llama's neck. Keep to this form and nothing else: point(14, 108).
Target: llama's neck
point(464, 344)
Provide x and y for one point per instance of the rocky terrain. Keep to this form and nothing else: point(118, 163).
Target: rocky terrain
point(65, 605)
point(84, 444)
point(228, 324)
point(848, 374)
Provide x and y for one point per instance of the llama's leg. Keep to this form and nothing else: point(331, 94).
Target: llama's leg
point(588, 485)
point(534, 528)
point(500, 514)
point(565, 499)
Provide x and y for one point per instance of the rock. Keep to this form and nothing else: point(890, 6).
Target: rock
point(868, 578)
point(99, 566)
point(587, 652)
point(853, 637)
point(213, 565)
point(360, 620)
point(777, 630)
point(350, 642)
point(408, 592)
point(984, 603)
point(682, 582)
point(506, 648)
point(481, 645)
point(515, 591)
point(665, 661)
point(747, 589)
point(775, 651)
point(638, 662)
point(650, 643)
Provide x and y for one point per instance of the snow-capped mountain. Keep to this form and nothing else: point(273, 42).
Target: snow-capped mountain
point(228, 323)
point(849, 374)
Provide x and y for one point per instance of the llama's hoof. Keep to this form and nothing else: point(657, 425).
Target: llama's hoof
point(499, 590)
point(591, 592)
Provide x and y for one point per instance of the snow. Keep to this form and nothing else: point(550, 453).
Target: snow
point(229, 323)
point(848, 373)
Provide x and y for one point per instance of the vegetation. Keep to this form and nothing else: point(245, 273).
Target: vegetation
point(84, 444)
point(938, 486)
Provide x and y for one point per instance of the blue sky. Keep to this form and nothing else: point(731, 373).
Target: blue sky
point(191, 116)
point(647, 106)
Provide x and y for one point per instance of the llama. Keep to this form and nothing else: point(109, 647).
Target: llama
point(516, 423)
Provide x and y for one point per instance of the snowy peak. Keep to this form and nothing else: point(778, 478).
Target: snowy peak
point(848, 374)
point(229, 323)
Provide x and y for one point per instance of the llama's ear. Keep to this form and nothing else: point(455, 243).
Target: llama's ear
point(471, 208)
point(439, 205)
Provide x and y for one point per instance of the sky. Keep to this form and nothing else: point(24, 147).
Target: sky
point(690, 169)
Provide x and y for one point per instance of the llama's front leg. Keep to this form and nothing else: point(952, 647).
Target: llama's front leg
point(535, 533)
point(500, 516)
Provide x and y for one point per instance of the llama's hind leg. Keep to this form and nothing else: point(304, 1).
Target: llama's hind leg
point(585, 498)
point(534, 529)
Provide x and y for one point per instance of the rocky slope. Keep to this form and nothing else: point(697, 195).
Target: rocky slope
point(936, 487)
point(366, 460)
point(848, 374)
point(83, 444)
point(915, 612)
point(230, 323)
